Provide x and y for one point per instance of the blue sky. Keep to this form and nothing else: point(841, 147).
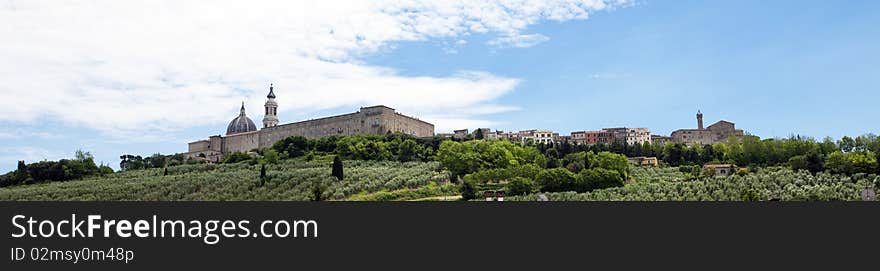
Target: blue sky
point(773, 67)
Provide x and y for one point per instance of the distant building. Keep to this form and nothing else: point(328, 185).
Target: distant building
point(660, 140)
point(460, 134)
point(644, 161)
point(538, 136)
point(715, 133)
point(630, 136)
point(487, 133)
point(609, 135)
point(242, 134)
point(722, 169)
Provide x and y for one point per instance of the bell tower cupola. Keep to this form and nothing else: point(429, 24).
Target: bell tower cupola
point(271, 115)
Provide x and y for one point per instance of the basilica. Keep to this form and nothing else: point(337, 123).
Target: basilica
point(242, 134)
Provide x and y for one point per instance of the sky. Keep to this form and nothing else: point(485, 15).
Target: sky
point(143, 77)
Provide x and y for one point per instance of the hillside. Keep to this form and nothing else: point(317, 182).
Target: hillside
point(288, 180)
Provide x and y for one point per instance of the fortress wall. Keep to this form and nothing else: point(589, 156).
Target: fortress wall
point(400, 123)
point(201, 145)
point(376, 120)
point(348, 124)
point(243, 142)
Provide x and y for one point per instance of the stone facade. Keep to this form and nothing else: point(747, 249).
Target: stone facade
point(715, 133)
point(377, 120)
point(630, 136)
point(660, 140)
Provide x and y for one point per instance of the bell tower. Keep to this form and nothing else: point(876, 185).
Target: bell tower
point(699, 120)
point(271, 115)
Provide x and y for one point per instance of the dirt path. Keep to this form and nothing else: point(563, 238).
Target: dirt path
point(439, 198)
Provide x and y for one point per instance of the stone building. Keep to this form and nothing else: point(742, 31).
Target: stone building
point(538, 136)
point(715, 133)
point(243, 136)
point(660, 140)
point(721, 169)
point(643, 161)
point(630, 136)
point(589, 137)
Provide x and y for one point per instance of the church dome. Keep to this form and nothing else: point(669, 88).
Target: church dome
point(241, 124)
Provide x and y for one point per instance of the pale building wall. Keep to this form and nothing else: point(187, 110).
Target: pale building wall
point(243, 142)
point(376, 120)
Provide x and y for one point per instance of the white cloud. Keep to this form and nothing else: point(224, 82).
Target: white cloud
point(519, 40)
point(146, 68)
point(11, 155)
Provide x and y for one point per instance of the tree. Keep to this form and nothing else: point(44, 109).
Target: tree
point(468, 190)
point(262, 174)
point(708, 172)
point(847, 144)
point(863, 162)
point(838, 162)
point(556, 180)
point(131, 162)
point(798, 162)
point(236, 157)
point(270, 156)
point(318, 191)
point(337, 168)
point(294, 146)
point(408, 150)
point(611, 161)
point(21, 174)
point(814, 162)
point(598, 178)
point(520, 186)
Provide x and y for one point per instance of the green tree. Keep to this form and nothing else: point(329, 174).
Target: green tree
point(839, 163)
point(863, 162)
point(598, 178)
point(814, 162)
point(798, 162)
point(236, 157)
point(337, 168)
point(611, 161)
point(556, 180)
point(21, 174)
point(846, 144)
point(270, 156)
point(468, 190)
point(294, 146)
point(520, 186)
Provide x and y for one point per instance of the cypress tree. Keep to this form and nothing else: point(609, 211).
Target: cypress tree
point(337, 168)
point(263, 175)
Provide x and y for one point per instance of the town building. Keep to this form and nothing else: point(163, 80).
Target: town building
point(715, 133)
point(538, 136)
point(660, 140)
point(629, 136)
point(643, 161)
point(242, 134)
point(460, 134)
point(722, 169)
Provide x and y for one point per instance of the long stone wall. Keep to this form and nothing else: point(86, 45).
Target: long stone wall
point(369, 120)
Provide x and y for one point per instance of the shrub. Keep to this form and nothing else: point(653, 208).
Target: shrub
point(520, 186)
point(556, 180)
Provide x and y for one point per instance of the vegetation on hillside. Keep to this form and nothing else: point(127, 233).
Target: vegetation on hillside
point(402, 167)
point(287, 180)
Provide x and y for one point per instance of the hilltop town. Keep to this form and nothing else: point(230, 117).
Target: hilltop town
point(242, 135)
